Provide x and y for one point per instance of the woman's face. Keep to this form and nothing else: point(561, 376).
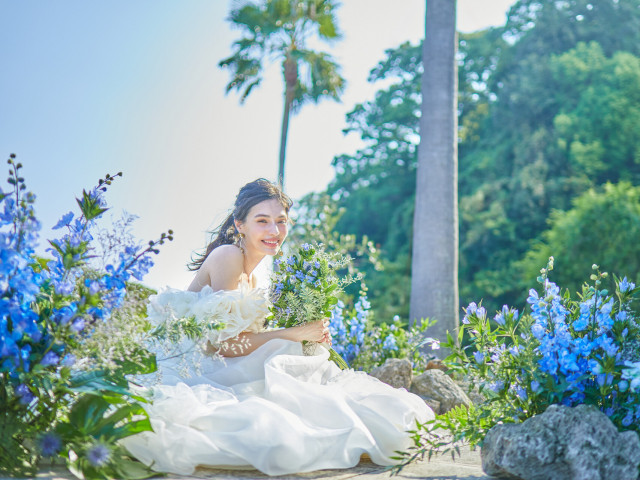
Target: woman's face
point(265, 227)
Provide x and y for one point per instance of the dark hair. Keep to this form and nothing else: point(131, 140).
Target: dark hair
point(248, 196)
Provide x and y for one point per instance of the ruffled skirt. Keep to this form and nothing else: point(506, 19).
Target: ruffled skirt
point(277, 411)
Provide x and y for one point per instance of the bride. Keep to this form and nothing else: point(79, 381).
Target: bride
point(264, 405)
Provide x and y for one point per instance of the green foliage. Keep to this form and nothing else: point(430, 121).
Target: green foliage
point(98, 419)
point(374, 188)
point(561, 119)
point(458, 427)
point(316, 219)
point(548, 109)
point(394, 340)
point(117, 342)
point(604, 223)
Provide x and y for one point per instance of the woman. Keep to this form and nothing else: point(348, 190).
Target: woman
point(266, 406)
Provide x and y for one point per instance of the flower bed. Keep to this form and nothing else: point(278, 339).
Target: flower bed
point(60, 397)
point(562, 351)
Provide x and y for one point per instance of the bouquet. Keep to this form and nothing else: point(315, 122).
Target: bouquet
point(305, 288)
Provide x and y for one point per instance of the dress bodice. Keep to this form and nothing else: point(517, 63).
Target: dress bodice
point(238, 310)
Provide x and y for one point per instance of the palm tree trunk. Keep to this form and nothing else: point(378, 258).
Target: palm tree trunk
point(434, 275)
point(290, 81)
point(283, 141)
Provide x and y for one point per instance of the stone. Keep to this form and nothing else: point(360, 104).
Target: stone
point(433, 404)
point(563, 443)
point(396, 372)
point(437, 385)
point(472, 391)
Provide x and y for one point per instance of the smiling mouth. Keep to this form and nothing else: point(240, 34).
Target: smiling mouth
point(271, 243)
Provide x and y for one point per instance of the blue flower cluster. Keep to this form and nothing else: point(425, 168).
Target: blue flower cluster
point(19, 282)
point(47, 305)
point(348, 334)
point(292, 271)
point(363, 344)
point(564, 351)
point(574, 348)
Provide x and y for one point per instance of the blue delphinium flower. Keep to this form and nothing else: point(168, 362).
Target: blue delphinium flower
point(98, 455)
point(348, 334)
point(50, 444)
point(24, 393)
point(337, 328)
point(625, 285)
point(470, 310)
point(521, 392)
point(64, 221)
point(390, 343)
point(496, 386)
point(50, 358)
point(356, 329)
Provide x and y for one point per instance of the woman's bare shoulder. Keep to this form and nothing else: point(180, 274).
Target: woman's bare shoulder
point(225, 254)
point(223, 267)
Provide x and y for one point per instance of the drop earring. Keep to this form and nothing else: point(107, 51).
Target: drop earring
point(239, 241)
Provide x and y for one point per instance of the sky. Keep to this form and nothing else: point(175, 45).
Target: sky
point(90, 88)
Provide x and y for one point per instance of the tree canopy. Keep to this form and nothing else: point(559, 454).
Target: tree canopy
point(548, 110)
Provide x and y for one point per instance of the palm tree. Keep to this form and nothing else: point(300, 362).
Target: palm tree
point(434, 276)
point(278, 30)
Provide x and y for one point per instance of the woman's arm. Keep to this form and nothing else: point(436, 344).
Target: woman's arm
point(247, 342)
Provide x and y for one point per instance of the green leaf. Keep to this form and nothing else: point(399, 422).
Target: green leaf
point(87, 412)
point(145, 366)
point(127, 468)
point(100, 381)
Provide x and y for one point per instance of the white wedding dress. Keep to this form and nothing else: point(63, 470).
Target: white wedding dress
point(274, 409)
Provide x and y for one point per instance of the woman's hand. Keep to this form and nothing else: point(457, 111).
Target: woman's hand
point(317, 331)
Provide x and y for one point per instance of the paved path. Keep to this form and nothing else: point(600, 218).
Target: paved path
point(466, 467)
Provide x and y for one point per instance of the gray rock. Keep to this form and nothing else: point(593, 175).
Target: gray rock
point(433, 404)
point(396, 372)
point(472, 391)
point(563, 443)
point(437, 385)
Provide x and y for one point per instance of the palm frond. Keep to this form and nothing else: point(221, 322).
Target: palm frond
point(326, 20)
point(320, 78)
point(248, 89)
point(245, 73)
